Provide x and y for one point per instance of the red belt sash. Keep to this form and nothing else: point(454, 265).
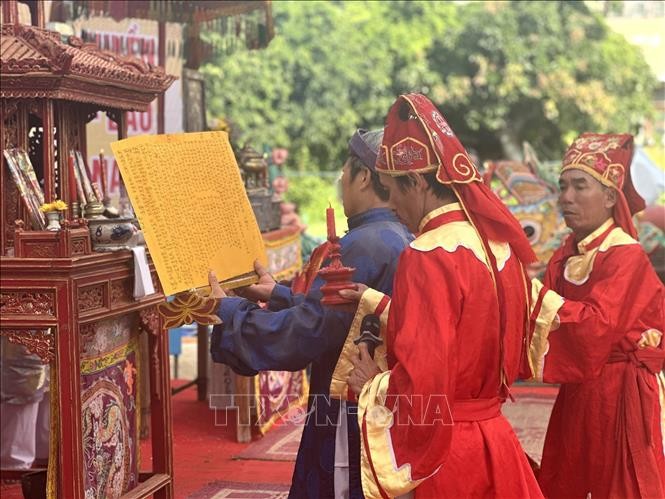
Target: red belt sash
point(477, 409)
point(638, 400)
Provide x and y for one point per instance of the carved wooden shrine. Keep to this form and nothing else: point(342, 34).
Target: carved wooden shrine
point(72, 307)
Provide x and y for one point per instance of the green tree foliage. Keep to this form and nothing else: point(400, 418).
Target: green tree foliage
point(312, 194)
point(542, 72)
point(502, 72)
point(331, 68)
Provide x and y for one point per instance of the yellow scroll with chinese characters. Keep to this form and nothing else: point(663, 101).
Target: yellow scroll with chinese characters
point(190, 200)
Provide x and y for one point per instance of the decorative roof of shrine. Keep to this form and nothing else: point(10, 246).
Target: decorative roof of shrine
point(36, 63)
point(235, 23)
point(177, 11)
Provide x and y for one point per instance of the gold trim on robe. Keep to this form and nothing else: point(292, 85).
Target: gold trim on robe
point(452, 235)
point(446, 208)
point(546, 321)
point(377, 459)
point(369, 302)
point(578, 267)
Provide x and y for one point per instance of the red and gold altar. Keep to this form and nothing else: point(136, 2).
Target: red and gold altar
point(71, 306)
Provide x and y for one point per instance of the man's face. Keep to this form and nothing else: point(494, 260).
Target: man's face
point(584, 201)
point(403, 203)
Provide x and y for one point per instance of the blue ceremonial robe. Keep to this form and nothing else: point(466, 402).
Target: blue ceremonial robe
point(297, 330)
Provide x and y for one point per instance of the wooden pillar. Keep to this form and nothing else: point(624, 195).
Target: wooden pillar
point(50, 193)
point(202, 362)
point(195, 47)
point(41, 15)
point(68, 372)
point(122, 125)
point(160, 410)
point(62, 123)
point(81, 121)
point(244, 421)
point(9, 12)
point(3, 201)
point(122, 134)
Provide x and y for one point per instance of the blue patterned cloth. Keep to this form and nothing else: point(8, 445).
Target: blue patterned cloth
point(296, 331)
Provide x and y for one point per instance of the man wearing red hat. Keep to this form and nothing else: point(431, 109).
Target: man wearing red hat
point(599, 324)
point(456, 329)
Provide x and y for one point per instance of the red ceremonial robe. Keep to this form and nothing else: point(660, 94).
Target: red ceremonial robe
point(432, 423)
point(603, 342)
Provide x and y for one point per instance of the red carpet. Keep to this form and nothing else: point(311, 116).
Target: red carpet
point(279, 444)
point(10, 491)
point(530, 414)
point(202, 452)
point(236, 490)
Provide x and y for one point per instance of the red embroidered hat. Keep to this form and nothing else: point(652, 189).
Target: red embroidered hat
point(607, 158)
point(418, 139)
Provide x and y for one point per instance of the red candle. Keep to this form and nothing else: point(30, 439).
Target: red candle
point(330, 220)
point(73, 193)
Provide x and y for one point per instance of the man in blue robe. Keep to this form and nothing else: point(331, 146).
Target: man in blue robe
point(296, 330)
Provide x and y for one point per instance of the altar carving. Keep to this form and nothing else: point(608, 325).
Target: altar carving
point(27, 302)
point(37, 342)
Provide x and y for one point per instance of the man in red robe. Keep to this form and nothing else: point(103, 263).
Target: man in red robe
point(456, 328)
point(598, 331)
